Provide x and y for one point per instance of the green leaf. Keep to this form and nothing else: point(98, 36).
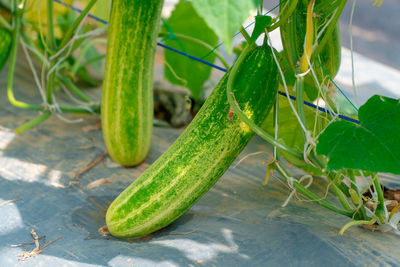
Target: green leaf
point(374, 145)
point(224, 16)
point(180, 69)
point(93, 53)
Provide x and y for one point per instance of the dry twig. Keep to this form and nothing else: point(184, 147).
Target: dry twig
point(9, 201)
point(99, 182)
point(90, 165)
point(37, 250)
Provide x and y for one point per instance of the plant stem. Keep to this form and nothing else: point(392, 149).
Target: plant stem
point(95, 108)
point(354, 186)
point(284, 15)
point(321, 202)
point(51, 43)
point(245, 34)
point(330, 9)
point(259, 7)
point(13, 58)
point(71, 30)
point(304, 191)
point(380, 209)
point(83, 51)
point(341, 190)
point(71, 86)
point(300, 101)
point(323, 4)
point(255, 128)
point(341, 197)
point(199, 42)
point(5, 24)
point(352, 223)
point(33, 123)
point(276, 126)
point(51, 40)
point(27, 41)
point(342, 186)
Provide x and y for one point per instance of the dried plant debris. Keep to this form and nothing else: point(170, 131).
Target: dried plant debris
point(9, 201)
point(99, 182)
point(92, 127)
point(103, 231)
point(90, 165)
point(26, 254)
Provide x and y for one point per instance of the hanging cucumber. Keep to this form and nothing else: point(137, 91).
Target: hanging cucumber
point(5, 46)
point(293, 36)
point(127, 97)
point(203, 152)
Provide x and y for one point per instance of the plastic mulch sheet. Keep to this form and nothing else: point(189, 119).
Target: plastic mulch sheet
point(237, 223)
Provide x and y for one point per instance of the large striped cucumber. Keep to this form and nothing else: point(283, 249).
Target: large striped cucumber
point(5, 46)
point(203, 152)
point(127, 97)
point(293, 36)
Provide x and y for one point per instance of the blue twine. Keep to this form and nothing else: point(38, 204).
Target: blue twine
point(192, 57)
point(80, 11)
point(343, 117)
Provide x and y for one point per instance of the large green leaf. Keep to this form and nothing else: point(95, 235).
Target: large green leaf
point(180, 69)
point(224, 16)
point(374, 145)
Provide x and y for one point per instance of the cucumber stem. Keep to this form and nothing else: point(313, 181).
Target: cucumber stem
point(245, 34)
point(323, 4)
point(33, 123)
point(304, 191)
point(71, 30)
point(28, 43)
point(380, 209)
point(276, 126)
point(342, 186)
point(341, 197)
point(95, 108)
point(5, 24)
point(51, 43)
point(13, 58)
point(321, 202)
point(330, 9)
point(283, 17)
point(352, 223)
point(357, 194)
point(300, 102)
point(51, 40)
point(71, 86)
point(83, 51)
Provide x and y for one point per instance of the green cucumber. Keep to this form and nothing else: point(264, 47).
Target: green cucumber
point(203, 152)
point(127, 97)
point(293, 35)
point(5, 46)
